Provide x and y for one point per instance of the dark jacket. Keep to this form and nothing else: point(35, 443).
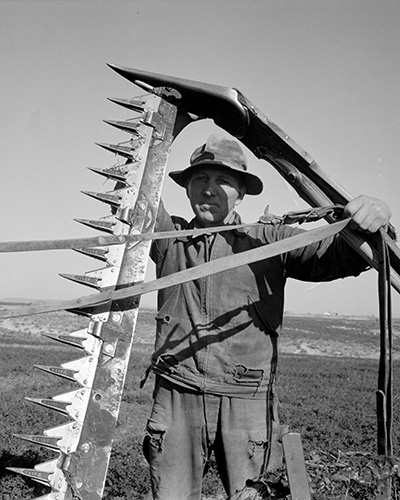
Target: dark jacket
point(219, 334)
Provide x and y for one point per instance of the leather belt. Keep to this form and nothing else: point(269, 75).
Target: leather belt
point(213, 267)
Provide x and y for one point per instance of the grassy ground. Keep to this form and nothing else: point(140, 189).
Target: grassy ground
point(329, 400)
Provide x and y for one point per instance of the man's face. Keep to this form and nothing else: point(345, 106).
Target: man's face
point(213, 194)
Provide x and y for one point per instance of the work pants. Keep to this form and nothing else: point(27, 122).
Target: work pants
point(183, 429)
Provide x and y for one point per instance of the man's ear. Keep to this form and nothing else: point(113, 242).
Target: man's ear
point(242, 192)
point(187, 187)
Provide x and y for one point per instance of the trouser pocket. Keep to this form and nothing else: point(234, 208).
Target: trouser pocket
point(153, 441)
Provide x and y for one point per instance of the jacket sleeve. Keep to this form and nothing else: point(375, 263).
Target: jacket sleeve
point(326, 260)
point(164, 222)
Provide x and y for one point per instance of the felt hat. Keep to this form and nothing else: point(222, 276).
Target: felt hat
point(220, 151)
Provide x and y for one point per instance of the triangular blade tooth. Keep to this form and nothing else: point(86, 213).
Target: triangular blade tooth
point(79, 370)
point(72, 404)
point(98, 312)
point(60, 406)
point(132, 127)
point(50, 442)
point(42, 477)
point(48, 465)
point(65, 339)
point(99, 279)
point(46, 473)
point(80, 339)
point(112, 256)
point(84, 369)
point(86, 339)
point(131, 104)
point(115, 173)
point(79, 401)
point(83, 279)
point(60, 431)
point(68, 435)
point(88, 312)
point(106, 225)
point(110, 199)
point(59, 372)
point(125, 151)
point(100, 253)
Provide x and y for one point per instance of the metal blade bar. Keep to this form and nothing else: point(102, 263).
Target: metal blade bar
point(86, 465)
point(99, 241)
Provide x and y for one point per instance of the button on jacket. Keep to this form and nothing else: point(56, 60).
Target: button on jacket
point(219, 334)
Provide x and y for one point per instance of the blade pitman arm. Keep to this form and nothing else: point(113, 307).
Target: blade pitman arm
point(221, 104)
point(234, 113)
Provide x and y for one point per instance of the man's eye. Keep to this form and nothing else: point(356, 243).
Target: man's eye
point(200, 178)
point(226, 182)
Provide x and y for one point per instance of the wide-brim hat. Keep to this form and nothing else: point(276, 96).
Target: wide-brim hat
point(220, 151)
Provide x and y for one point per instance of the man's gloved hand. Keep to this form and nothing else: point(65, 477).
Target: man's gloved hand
point(368, 214)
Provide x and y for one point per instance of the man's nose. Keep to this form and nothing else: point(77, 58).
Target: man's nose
point(210, 189)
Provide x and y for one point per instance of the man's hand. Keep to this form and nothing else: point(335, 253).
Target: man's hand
point(368, 214)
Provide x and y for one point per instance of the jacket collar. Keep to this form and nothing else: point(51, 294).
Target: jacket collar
point(236, 219)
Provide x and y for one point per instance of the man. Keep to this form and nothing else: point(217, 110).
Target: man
point(216, 347)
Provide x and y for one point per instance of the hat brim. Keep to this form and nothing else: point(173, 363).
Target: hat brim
point(252, 183)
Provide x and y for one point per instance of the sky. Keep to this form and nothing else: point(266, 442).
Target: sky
point(327, 72)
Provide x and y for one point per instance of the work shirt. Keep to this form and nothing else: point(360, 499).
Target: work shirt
point(219, 334)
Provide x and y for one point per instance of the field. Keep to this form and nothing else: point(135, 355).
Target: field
point(327, 383)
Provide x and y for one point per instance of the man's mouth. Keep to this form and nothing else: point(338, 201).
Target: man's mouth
point(206, 206)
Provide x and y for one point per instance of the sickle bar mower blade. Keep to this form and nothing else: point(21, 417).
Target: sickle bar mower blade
point(84, 443)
